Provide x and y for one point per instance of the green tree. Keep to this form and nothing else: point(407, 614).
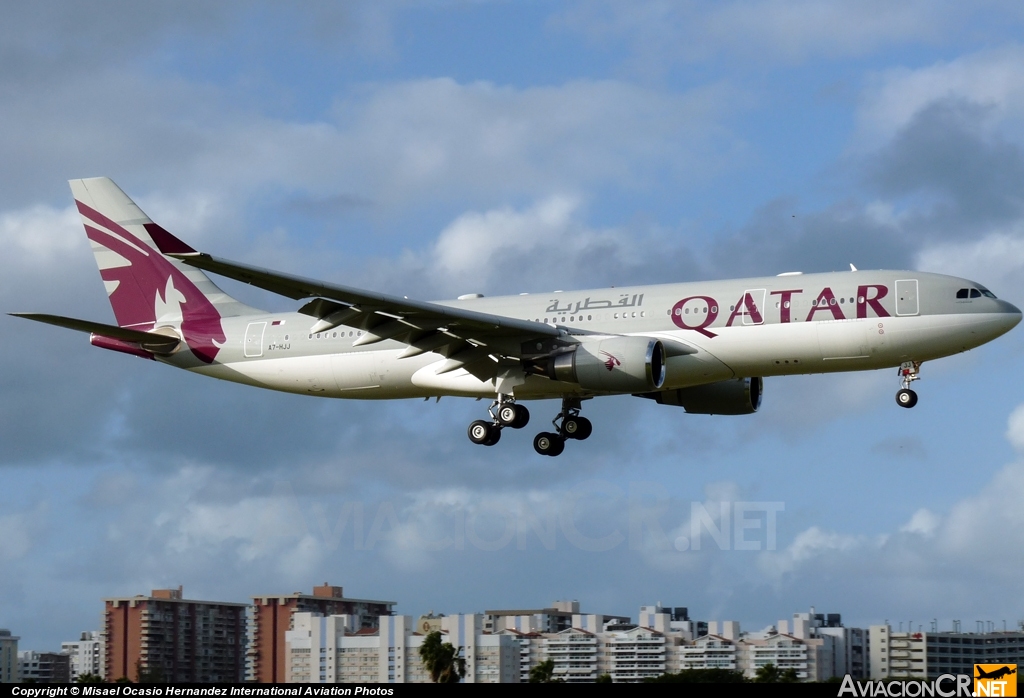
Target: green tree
point(442, 660)
point(544, 673)
point(700, 676)
point(88, 678)
point(770, 673)
point(604, 678)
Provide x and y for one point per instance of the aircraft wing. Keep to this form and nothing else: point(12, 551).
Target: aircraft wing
point(464, 336)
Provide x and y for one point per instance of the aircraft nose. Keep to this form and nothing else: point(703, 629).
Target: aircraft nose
point(1011, 314)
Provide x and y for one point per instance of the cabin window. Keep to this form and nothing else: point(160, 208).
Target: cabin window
point(975, 293)
point(590, 317)
point(988, 294)
point(962, 293)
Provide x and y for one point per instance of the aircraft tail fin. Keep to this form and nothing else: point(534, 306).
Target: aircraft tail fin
point(146, 288)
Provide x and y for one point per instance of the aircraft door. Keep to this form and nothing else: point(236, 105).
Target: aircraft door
point(254, 339)
point(753, 301)
point(906, 297)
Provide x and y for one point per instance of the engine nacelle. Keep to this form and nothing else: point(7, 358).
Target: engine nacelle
point(616, 365)
point(734, 396)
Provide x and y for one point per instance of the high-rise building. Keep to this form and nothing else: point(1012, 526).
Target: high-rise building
point(44, 667)
point(166, 637)
point(86, 654)
point(9, 672)
point(271, 618)
point(930, 654)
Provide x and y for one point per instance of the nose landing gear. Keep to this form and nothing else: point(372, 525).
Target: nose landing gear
point(504, 413)
point(909, 372)
point(569, 425)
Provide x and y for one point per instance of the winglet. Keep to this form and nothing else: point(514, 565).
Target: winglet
point(852, 268)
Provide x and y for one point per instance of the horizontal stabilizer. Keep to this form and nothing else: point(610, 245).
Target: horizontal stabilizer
point(150, 340)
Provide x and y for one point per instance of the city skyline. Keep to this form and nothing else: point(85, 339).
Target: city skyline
point(436, 149)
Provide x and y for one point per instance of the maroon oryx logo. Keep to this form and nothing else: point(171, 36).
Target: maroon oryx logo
point(612, 361)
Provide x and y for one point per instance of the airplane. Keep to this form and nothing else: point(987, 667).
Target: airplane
point(702, 346)
point(995, 673)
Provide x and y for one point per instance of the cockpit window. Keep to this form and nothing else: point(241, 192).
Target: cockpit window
point(974, 293)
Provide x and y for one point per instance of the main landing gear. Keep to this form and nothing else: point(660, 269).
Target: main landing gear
point(504, 413)
point(569, 425)
point(909, 372)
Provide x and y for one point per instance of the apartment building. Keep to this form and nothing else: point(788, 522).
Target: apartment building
point(44, 667)
point(168, 638)
point(270, 617)
point(86, 654)
point(931, 654)
point(335, 649)
point(9, 672)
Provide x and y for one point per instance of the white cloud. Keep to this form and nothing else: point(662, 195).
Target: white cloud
point(923, 522)
point(807, 548)
point(20, 533)
point(997, 260)
point(1015, 431)
point(990, 79)
point(763, 30)
point(972, 544)
point(39, 233)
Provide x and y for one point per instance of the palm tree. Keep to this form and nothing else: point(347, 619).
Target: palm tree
point(442, 660)
point(544, 673)
point(770, 673)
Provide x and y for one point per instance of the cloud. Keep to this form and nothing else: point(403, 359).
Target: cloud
point(659, 32)
point(987, 79)
point(970, 180)
point(21, 532)
point(930, 560)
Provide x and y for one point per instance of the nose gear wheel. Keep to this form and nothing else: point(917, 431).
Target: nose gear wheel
point(909, 371)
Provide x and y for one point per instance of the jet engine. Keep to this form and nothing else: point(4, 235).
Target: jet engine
point(734, 396)
point(615, 365)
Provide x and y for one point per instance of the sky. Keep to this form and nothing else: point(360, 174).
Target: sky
point(432, 149)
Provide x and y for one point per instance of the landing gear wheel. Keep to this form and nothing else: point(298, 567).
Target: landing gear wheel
point(906, 398)
point(577, 428)
point(484, 433)
point(512, 415)
point(548, 444)
point(522, 417)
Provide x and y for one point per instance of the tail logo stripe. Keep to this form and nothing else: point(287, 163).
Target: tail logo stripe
point(147, 289)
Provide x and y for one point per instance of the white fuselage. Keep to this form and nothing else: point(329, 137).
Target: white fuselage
point(815, 323)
